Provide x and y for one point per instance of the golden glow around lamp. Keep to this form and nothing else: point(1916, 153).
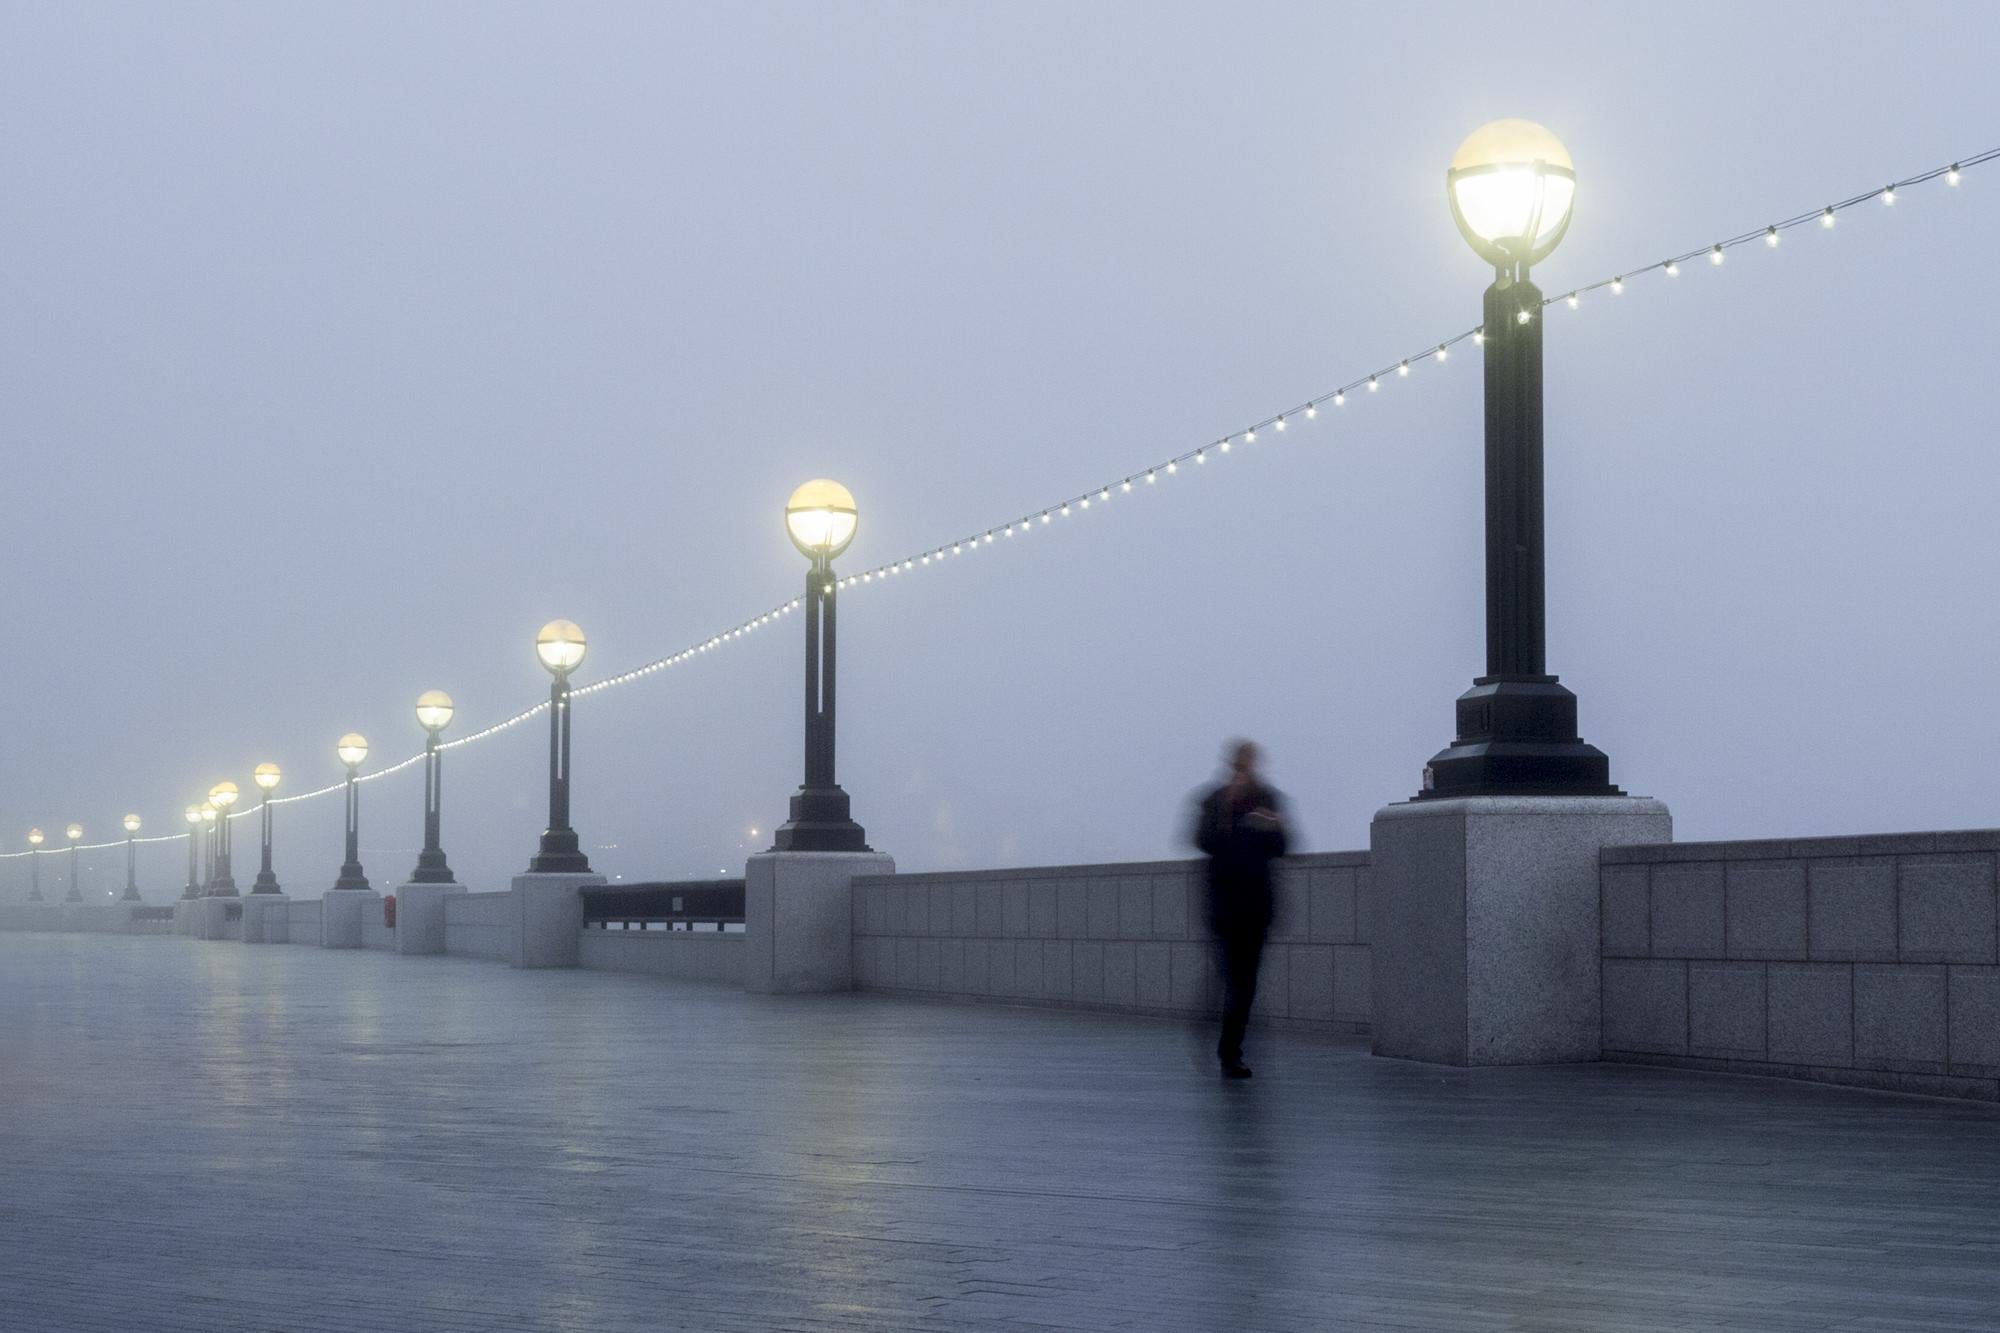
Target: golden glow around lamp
point(1512, 188)
point(434, 710)
point(267, 776)
point(35, 837)
point(560, 646)
point(224, 795)
point(820, 517)
point(352, 749)
point(74, 833)
point(132, 823)
point(193, 814)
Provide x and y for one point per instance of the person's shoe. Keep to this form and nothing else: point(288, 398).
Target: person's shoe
point(1235, 1069)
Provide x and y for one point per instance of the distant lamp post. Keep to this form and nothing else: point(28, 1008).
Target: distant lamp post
point(560, 646)
point(131, 859)
point(434, 711)
point(75, 835)
point(223, 795)
point(193, 816)
point(35, 839)
point(1511, 187)
point(266, 776)
point(352, 749)
point(209, 820)
point(820, 518)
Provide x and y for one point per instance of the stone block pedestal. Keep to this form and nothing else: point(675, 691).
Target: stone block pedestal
point(267, 918)
point(342, 912)
point(209, 917)
point(1485, 924)
point(420, 916)
point(548, 913)
point(798, 916)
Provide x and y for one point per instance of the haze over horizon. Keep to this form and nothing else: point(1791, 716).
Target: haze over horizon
point(347, 345)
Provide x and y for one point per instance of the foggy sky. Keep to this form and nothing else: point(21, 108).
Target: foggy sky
point(344, 345)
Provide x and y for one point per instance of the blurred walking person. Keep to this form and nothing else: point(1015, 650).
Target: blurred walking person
point(1241, 828)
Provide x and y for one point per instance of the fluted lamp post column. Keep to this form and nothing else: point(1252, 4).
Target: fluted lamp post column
point(1511, 186)
point(560, 646)
point(267, 777)
point(225, 795)
point(821, 519)
point(75, 835)
point(193, 816)
point(352, 749)
point(35, 840)
point(131, 859)
point(208, 844)
point(434, 710)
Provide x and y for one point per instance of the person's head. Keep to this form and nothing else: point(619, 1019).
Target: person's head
point(1241, 756)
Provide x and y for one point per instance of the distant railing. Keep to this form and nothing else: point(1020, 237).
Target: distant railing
point(708, 904)
point(152, 914)
point(232, 911)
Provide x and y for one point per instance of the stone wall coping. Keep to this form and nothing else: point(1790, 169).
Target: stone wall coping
point(1304, 861)
point(1784, 849)
point(711, 936)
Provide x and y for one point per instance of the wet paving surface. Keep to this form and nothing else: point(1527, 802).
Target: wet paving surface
point(220, 1137)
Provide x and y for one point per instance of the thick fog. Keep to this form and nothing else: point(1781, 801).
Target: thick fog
point(344, 345)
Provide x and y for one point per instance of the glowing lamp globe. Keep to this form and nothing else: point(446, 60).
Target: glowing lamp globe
point(224, 795)
point(266, 776)
point(74, 832)
point(1512, 186)
point(434, 710)
point(193, 814)
point(352, 749)
point(34, 837)
point(821, 519)
point(209, 812)
point(560, 645)
point(131, 823)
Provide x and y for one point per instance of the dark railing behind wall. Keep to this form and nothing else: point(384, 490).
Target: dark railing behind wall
point(708, 904)
point(152, 914)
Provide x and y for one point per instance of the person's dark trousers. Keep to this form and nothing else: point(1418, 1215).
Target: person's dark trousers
point(1238, 957)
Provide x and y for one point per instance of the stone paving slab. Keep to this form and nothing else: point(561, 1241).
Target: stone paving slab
point(200, 1136)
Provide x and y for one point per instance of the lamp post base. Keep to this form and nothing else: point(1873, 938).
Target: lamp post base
point(1517, 737)
point(820, 823)
point(266, 882)
point(131, 895)
point(431, 868)
point(560, 854)
point(352, 878)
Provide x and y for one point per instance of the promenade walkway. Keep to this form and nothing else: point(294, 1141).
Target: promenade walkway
point(218, 1137)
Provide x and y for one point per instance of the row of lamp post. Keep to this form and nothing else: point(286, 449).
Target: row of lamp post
point(820, 518)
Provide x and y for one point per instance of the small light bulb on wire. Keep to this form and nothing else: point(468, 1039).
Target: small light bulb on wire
point(1201, 455)
point(1889, 194)
point(1522, 317)
point(1826, 217)
point(1249, 437)
point(1374, 385)
point(1479, 336)
point(1618, 285)
point(1224, 446)
point(1278, 425)
point(1173, 467)
point(1312, 411)
point(1715, 255)
point(1572, 299)
point(1403, 370)
point(1951, 176)
point(1673, 269)
point(1771, 237)
point(1444, 353)
point(1104, 494)
point(1340, 398)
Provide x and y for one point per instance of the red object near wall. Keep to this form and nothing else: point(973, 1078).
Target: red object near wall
point(389, 911)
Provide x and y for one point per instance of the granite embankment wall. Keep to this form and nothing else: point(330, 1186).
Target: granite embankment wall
point(1869, 960)
point(1124, 937)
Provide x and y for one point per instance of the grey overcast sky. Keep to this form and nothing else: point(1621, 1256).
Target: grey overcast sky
point(343, 345)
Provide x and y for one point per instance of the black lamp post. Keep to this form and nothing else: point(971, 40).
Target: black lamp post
point(193, 816)
point(75, 835)
point(352, 749)
point(131, 859)
point(267, 777)
point(34, 865)
point(1511, 186)
point(560, 646)
point(209, 817)
point(821, 519)
point(434, 711)
point(222, 884)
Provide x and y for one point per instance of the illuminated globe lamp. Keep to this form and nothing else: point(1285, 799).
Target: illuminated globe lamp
point(75, 835)
point(434, 710)
point(560, 646)
point(1512, 189)
point(267, 777)
point(222, 796)
point(821, 519)
point(35, 840)
point(193, 816)
point(352, 749)
point(132, 826)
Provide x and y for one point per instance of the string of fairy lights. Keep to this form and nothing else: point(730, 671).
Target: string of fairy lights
point(1136, 482)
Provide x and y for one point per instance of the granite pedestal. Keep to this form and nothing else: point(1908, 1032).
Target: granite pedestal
point(548, 913)
point(420, 916)
point(798, 916)
point(1485, 924)
point(267, 918)
point(342, 912)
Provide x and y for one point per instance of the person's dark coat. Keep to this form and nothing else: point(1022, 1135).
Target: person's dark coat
point(1240, 853)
